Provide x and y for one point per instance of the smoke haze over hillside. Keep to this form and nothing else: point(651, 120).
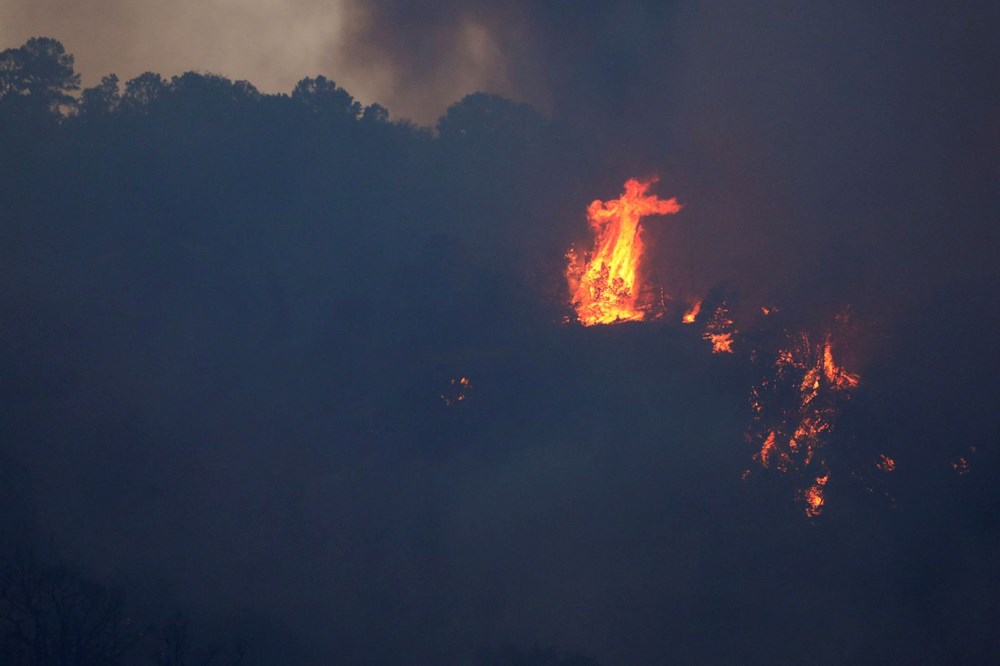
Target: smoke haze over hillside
point(311, 375)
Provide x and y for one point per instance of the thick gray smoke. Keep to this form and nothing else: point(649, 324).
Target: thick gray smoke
point(828, 154)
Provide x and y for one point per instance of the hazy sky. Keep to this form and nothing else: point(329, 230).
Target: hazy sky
point(271, 43)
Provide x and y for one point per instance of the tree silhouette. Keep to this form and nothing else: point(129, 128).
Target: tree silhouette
point(211, 222)
point(322, 97)
point(176, 647)
point(50, 614)
point(38, 75)
point(483, 115)
point(375, 113)
point(207, 92)
point(101, 100)
point(143, 92)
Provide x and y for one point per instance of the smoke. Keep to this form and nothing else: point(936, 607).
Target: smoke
point(826, 155)
point(832, 150)
point(450, 51)
point(272, 44)
point(424, 57)
point(591, 499)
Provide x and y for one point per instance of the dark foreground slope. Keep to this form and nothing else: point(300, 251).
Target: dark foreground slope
point(231, 326)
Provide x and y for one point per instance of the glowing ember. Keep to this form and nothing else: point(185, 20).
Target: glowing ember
point(885, 464)
point(837, 376)
point(457, 392)
point(796, 409)
point(813, 496)
point(603, 285)
point(692, 314)
point(771, 456)
point(720, 331)
point(962, 464)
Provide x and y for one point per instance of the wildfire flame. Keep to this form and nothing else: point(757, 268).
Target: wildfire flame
point(801, 403)
point(794, 409)
point(603, 285)
point(813, 496)
point(885, 464)
point(837, 376)
point(720, 331)
point(692, 314)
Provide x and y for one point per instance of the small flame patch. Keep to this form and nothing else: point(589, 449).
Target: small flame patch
point(692, 314)
point(721, 331)
point(885, 464)
point(457, 392)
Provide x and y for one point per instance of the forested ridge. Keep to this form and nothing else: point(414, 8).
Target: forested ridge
point(174, 237)
point(235, 326)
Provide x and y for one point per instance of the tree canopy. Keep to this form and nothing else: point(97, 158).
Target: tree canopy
point(40, 73)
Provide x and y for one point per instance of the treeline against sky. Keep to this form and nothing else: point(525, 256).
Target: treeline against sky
point(188, 252)
point(231, 324)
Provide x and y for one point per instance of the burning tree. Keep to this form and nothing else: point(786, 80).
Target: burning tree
point(796, 408)
point(604, 284)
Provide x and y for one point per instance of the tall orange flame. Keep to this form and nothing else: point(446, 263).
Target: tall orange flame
point(603, 286)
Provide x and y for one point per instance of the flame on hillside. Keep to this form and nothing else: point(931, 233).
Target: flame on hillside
point(813, 496)
point(796, 408)
point(721, 331)
point(692, 314)
point(604, 283)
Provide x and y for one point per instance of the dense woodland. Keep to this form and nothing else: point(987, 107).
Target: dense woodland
point(227, 322)
point(204, 224)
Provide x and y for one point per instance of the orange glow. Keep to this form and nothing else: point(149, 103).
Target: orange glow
point(771, 456)
point(691, 315)
point(457, 392)
point(813, 496)
point(885, 464)
point(795, 409)
point(720, 331)
point(836, 375)
point(604, 285)
point(722, 343)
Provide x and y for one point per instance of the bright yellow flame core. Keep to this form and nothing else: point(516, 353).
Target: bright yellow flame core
point(604, 285)
point(692, 314)
point(813, 496)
